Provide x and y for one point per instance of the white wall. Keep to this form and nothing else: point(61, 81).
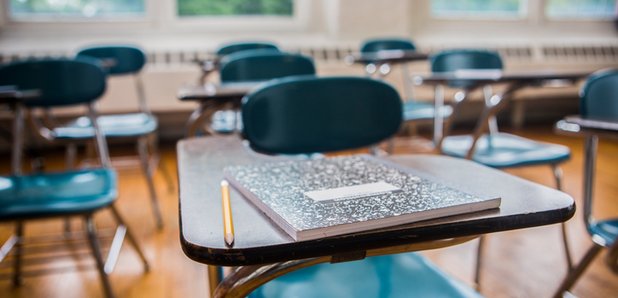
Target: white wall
point(318, 23)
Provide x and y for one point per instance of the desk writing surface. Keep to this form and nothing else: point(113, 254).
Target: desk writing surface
point(386, 56)
point(258, 241)
point(493, 77)
point(211, 91)
point(578, 126)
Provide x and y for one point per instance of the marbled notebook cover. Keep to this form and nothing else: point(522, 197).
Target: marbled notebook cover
point(278, 190)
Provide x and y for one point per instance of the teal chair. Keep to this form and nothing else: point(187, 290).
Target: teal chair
point(256, 66)
point(234, 47)
point(210, 65)
point(306, 115)
point(262, 65)
point(414, 111)
point(494, 149)
point(141, 126)
point(75, 193)
point(598, 100)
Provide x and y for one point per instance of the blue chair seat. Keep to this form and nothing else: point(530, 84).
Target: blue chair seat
point(402, 275)
point(607, 230)
point(417, 111)
point(52, 194)
point(503, 150)
point(123, 125)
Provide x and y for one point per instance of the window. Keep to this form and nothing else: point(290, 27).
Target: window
point(75, 8)
point(235, 7)
point(478, 8)
point(581, 9)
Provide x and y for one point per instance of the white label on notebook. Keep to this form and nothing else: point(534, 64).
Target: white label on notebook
point(352, 192)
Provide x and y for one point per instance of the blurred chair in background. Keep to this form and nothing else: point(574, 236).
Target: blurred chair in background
point(126, 60)
point(80, 193)
point(414, 112)
point(494, 149)
point(256, 66)
point(598, 101)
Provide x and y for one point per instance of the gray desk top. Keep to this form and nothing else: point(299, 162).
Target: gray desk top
point(258, 241)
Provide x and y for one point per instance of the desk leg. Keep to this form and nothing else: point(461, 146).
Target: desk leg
point(18, 137)
point(198, 117)
point(214, 278)
point(438, 121)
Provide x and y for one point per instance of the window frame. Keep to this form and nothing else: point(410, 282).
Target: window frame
point(551, 18)
point(163, 14)
point(522, 14)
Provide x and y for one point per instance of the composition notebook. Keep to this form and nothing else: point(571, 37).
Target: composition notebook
point(311, 199)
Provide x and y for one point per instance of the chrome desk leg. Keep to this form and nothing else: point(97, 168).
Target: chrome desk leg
point(153, 142)
point(214, 278)
point(131, 238)
point(479, 263)
point(438, 121)
point(246, 279)
point(565, 238)
point(142, 149)
point(19, 234)
point(96, 253)
point(18, 138)
point(198, 117)
point(492, 121)
point(577, 271)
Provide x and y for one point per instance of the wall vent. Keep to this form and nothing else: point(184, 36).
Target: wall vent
point(551, 53)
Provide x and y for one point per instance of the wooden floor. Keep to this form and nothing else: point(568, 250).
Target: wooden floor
point(525, 263)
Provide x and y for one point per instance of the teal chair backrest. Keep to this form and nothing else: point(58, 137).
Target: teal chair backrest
point(303, 115)
point(61, 82)
point(123, 59)
point(231, 48)
point(381, 44)
point(259, 65)
point(599, 96)
point(453, 60)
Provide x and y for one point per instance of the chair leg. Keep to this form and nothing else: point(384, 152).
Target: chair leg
point(479, 263)
point(19, 234)
point(154, 148)
point(69, 163)
point(96, 253)
point(131, 238)
point(577, 271)
point(565, 240)
point(142, 149)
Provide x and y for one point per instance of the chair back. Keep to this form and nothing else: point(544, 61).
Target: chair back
point(259, 65)
point(61, 82)
point(235, 47)
point(381, 44)
point(599, 96)
point(453, 60)
point(302, 115)
point(117, 59)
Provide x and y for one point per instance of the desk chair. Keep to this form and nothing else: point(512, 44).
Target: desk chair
point(305, 115)
point(496, 149)
point(234, 47)
point(413, 111)
point(262, 65)
point(598, 100)
point(79, 193)
point(257, 65)
point(120, 60)
point(210, 65)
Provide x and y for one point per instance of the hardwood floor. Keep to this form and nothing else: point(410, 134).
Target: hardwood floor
point(523, 263)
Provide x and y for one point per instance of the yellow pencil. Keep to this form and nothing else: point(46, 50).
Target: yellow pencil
point(228, 224)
